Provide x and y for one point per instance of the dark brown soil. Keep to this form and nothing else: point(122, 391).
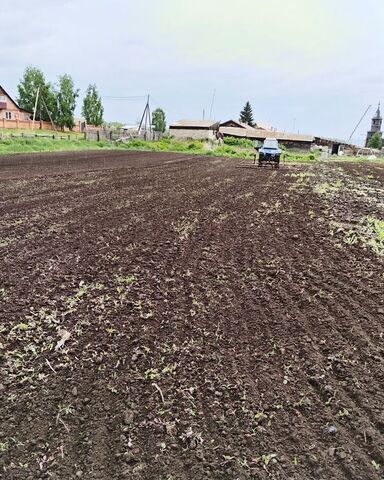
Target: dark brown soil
point(214, 322)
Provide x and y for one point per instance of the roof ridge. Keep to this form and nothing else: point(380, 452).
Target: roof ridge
point(14, 101)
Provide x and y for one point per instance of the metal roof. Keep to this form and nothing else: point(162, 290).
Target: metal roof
point(258, 125)
point(264, 126)
point(194, 124)
point(240, 124)
point(332, 140)
point(293, 137)
point(238, 131)
point(245, 125)
point(254, 133)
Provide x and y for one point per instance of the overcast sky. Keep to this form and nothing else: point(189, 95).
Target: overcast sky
point(309, 65)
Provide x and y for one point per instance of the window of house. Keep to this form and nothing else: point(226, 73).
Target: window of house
point(3, 102)
point(8, 115)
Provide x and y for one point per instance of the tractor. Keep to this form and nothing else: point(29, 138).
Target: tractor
point(269, 153)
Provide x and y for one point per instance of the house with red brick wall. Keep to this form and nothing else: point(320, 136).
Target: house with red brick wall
point(10, 110)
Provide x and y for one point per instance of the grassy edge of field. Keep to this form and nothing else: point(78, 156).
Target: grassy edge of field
point(21, 145)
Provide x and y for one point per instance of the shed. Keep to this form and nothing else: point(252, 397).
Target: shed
point(194, 129)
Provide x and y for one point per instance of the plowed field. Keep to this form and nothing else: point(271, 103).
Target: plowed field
point(170, 317)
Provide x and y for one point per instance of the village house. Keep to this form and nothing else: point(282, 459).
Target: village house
point(232, 128)
point(194, 129)
point(11, 115)
point(208, 129)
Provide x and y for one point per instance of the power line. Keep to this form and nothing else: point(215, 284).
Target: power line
point(160, 104)
point(140, 97)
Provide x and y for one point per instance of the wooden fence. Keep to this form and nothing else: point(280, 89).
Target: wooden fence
point(92, 134)
point(39, 125)
point(54, 136)
point(121, 135)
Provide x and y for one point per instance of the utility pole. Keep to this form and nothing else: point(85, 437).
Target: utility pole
point(146, 119)
point(357, 126)
point(34, 110)
point(49, 115)
point(149, 116)
point(213, 101)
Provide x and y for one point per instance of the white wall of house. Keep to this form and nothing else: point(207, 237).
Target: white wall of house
point(185, 133)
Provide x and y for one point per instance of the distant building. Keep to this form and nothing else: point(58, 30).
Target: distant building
point(335, 146)
point(194, 129)
point(257, 125)
point(232, 128)
point(10, 110)
point(235, 124)
point(377, 121)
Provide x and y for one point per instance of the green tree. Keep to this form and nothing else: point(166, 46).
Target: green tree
point(66, 102)
point(246, 115)
point(32, 81)
point(92, 107)
point(376, 141)
point(158, 120)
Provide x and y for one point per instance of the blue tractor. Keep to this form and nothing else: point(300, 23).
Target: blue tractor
point(269, 153)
